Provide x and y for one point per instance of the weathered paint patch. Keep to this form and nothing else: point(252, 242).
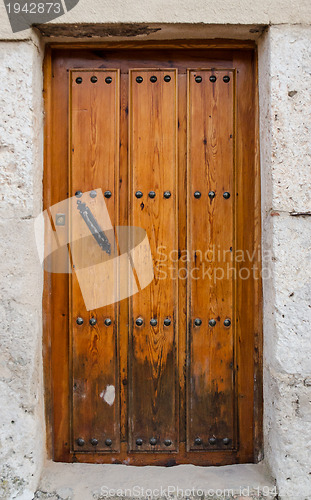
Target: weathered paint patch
point(109, 394)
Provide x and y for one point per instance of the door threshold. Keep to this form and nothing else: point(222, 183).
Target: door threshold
point(64, 481)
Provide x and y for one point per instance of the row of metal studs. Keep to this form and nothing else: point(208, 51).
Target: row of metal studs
point(93, 79)
point(93, 441)
point(93, 194)
point(153, 322)
point(93, 321)
point(153, 441)
point(198, 441)
point(211, 322)
point(153, 79)
point(152, 194)
point(212, 79)
point(167, 194)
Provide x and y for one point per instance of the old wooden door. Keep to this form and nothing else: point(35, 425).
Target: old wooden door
point(166, 370)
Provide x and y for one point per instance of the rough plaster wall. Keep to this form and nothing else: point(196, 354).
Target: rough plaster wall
point(195, 11)
point(285, 100)
point(178, 11)
point(21, 413)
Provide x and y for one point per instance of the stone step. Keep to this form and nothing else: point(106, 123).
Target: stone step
point(61, 481)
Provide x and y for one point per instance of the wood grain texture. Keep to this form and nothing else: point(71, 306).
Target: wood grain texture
point(58, 292)
point(94, 153)
point(123, 305)
point(153, 410)
point(158, 44)
point(211, 280)
point(247, 346)
point(248, 318)
point(47, 303)
point(182, 244)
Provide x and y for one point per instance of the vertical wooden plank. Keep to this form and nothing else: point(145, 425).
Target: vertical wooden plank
point(123, 311)
point(182, 246)
point(211, 283)
point(249, 304)
point(153, 355)
point(55, 192)
point(47, 301)
point(94, 164)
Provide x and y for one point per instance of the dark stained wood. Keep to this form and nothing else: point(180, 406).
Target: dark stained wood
point(245, 346)
point(182, 244)
point(211, 280)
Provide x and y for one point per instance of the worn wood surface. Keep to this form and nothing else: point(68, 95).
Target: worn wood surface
point(211, 280)
point(160, 44)
point(153, 399)
point(94, 165)
point(169, 381)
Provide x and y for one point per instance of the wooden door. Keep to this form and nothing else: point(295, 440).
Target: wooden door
point(153, 337)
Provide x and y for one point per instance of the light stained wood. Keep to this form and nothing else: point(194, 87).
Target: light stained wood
point(153, 403)
point(94, 165)
point(123, 311)
point(158, 44)
point(211, 280)
point(248, 301)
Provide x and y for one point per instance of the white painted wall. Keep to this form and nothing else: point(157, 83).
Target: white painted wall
point(284, 67)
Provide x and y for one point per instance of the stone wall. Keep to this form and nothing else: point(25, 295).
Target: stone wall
point(285, 100)
point(22, 435)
